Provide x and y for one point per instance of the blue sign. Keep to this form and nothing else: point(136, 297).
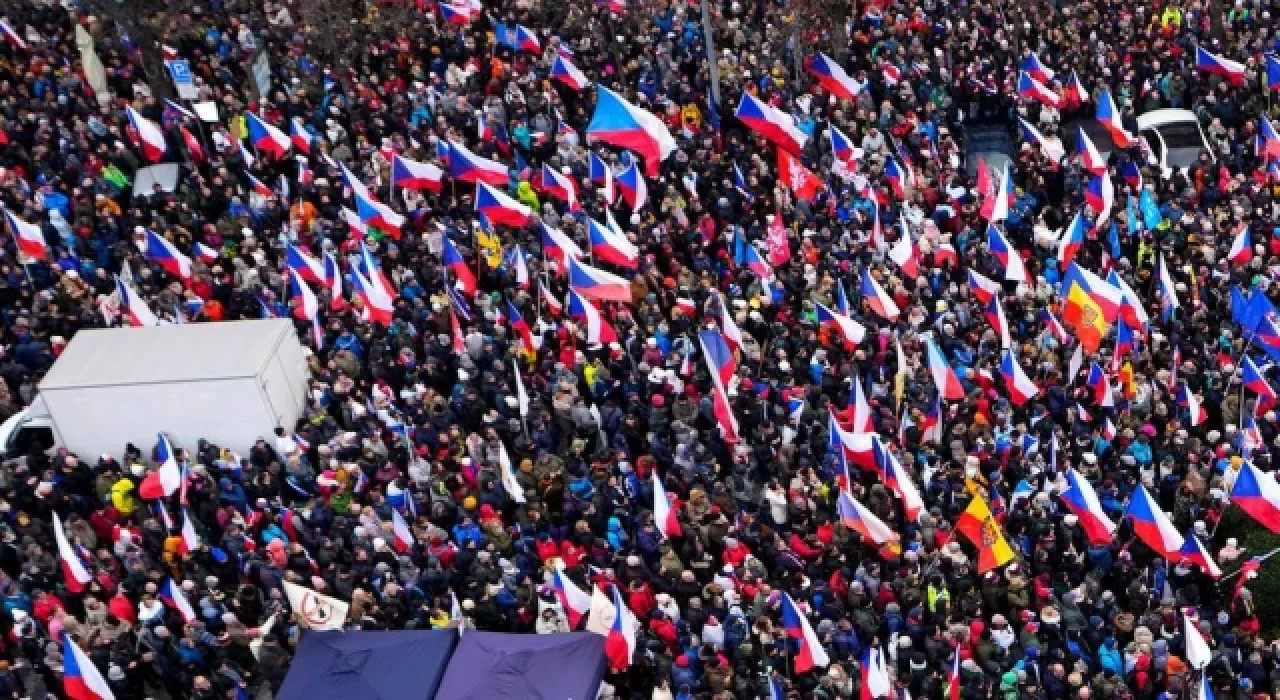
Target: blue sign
point(180, 70)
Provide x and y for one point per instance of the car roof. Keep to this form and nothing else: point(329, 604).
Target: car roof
point(1161, 117)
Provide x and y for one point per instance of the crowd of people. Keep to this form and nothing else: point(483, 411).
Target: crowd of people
point(421, 410)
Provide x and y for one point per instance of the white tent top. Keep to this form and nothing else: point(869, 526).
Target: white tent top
point(165, 354)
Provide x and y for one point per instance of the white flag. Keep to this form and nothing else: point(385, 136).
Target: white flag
point(1073, 367)
point(509, 482)
point(521, 396)
point(255, 645)
point(315, 610)
point(1198, 654)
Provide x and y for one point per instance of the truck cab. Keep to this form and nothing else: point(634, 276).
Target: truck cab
point(24, 429)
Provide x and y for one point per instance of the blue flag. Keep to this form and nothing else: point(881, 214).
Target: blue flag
point(1113, 239)
point(1150, 210)
point(713, 112)
point(1131, 213)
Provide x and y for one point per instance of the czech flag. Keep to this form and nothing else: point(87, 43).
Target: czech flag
point(466, 166)
point(904, 255)
point(841, 147)
point(307, 267)
point(1241, 247)
point(267, 138)
point(1166, 290)
point(413, 175)
point(1032, 66)
point(832, 77)
point(457, 15)
point(944, 378)
point(1131, 309)
point(1101, 385)
point(11, 35)
point(602, 177)
point(301, 138)
point(895, 175)
point(664, 518)
point(378, 304)
point(1109, 117)
point(499, 208)
point(1212, 63)
point(1100, 195)
point(378, 215)
point(1152, 526)
point(167, 478)
point(1014, 269)
point(1124, 341)
point(801, 181)
point(858, 518)
point(1052, 151)
point(611, 246)
point(1258, 494)
point(75, 574)
point(984, 288)
point(558, 247)
point(207, 254)
point(259, 187)
point(852, 331)
point(810, 654)
point(559, 185)
point(1054, 326)
point(1268, 140)
point(163, 253)
point(754, 262)
point(520, 326)
point(452, 259)
point(80, 678)
point(1193, 552)
point(1195, 410)
point(190, 539)
point(574, 600)
point(1090, 159)
point(29, 238)
point(404, 539)
point(1255, 380)
point(620, 642)
point(1020, 387)
point(862, 422)
point(1031, 89)
point(875, 296)
point(133, 307)
point(562, 69)
point(594, 283)
point(931, 424)
point(996, 207)
point(624, 125)
point(1082, 500)
point(305, 305)
point(1073, 91)
point(771, 123)
point(897, 478)
point(172, 596)
point(597, 328)
point(632, 186)
point(150, 135)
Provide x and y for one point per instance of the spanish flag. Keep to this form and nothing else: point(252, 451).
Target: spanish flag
point(1083, 314)
point(977, 524)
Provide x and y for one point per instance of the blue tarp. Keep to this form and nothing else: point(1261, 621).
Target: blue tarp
point(493, 666)
point(402, 665)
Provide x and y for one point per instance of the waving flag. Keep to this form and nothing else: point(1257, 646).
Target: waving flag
point(1130, 305)
point(1255, 380)
point(904, 255)
point(1032, 66)
point(11, 35)
point(574, 600)
point(1100, 383)
point(1107, 297)
point(858, 518)
point(897, 479)
point(466, 166)
point(1053, 152)
point(165, 254)
point(771, 123)
point(75, 574)
point(1258, 494)
point(28, 237)
point(982, 287)
point(1090, 159)
point(944, 378)
point(1014, 269)
point(875, 297)
point(306, 267)
point(999, 323)
point(602, 177)
point(133, 307)
point(1193, 552)
point(810, 654)
point(1020, 387)
point(664, 518)
point(305, 305)
point(612, 247)
point(456, 15)
point(1082, 500)
point(378, 304)
point(799, 179)
point(1100, 196)
point(622, 124)
point(1109, 117)
point(562, 69)
point(167, 478)
point(560, 186)
point(1166, 290)
point(862, 422)
point(172, 596)
point(753, 261)
point(300, 136)
point(378, 215)
point(1195, 410)
point(499, 208)
point(597, 328)
point(852, 331)
point(1212, 63)
point(896, 177)
point(1031, 89)
point(1152, 526)
point(558, 247)
point(996, 208)
point(1241, 247)
point(1073, 92)
point(632, 186)
point(452, 259)
point(1131, 174)
point(267, 138)
point(594, 283)
point(150, 135)
point(832, 77)
point(412, 175)
point(841, 146)
point(978, 525)
point(80, 678)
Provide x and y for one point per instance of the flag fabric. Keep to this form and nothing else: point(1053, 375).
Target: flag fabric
point(1194, 552)
point(1019, 386)
point(159, 250)
point(1255, 380)
point(453, 261)
point(1082, 501)
point(852, 331)
point(190, 538)
point(859, 519)
point(28, 237)
point(601, 175)
point(558, 247)
point(172, 596)
point(500, 208)
point(1109, 116)
point(771, 123)
point(465, 166)
point(810, 654)
point(978, 525)
point(1031, 89)
point(1241, 247)
point(632, 187)
point(799, 179)
point(1166, 290)
point(11, 35)
point(1090, 159)
point(624, 125)
point(664, 518)
point(314, 610)
point(167, 478)
point(1031, 65)
point(75, 574)
point(1053, 152)
point(1258, 494)
point(133, 308)
point(1073, 91)
point(984, 288)
point(597, 329)
point(562, 69)
point(1014, 269)
point(832, 77)
point(1207, 62)
point(1198, 653)
point(266, 138)
point(560, 186)
point(404, 539)
point(1152, 526)
point(878, 299)
point(944, 378)
point(413, 175)
point(81, 680)
point(150, 135)
point(1071, 241)
point(594, 283)
point(575, 601)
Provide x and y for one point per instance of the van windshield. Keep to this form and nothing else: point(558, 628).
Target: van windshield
point(1179, 135)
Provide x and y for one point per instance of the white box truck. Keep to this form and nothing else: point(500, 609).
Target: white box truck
point(229, 383)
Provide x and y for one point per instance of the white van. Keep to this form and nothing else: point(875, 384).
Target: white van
point(1175, 138)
